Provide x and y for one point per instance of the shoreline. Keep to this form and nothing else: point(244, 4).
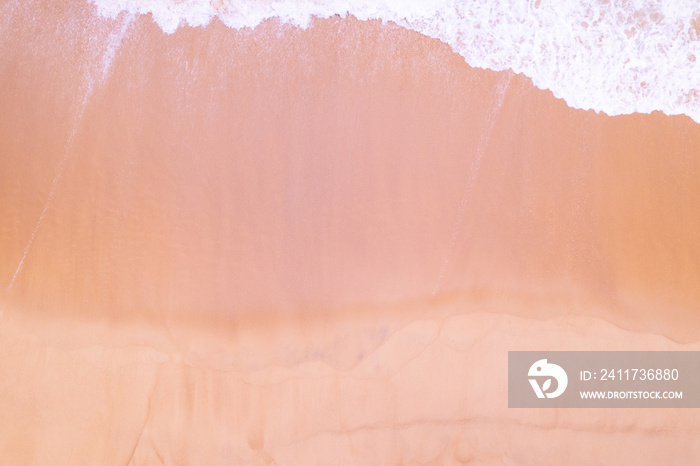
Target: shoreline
point(318, 246)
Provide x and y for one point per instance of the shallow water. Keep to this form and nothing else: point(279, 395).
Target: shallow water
point(310, 245)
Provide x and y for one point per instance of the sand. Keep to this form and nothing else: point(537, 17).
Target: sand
point(285, 246)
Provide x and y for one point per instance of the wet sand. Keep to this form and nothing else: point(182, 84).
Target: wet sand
point(308, 247)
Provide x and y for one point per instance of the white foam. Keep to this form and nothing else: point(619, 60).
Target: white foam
point(614, 56)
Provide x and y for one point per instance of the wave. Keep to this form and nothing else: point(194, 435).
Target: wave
point(616, 57)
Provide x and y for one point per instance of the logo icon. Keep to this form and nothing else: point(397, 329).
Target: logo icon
point(541, 369)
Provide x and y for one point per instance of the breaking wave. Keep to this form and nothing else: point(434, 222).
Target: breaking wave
point(617, 57)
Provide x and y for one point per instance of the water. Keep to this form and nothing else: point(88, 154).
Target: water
point(617, 57)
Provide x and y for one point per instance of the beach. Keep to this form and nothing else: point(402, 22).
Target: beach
point(316, 245)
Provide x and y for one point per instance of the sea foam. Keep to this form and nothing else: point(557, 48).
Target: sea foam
point(617, 57)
